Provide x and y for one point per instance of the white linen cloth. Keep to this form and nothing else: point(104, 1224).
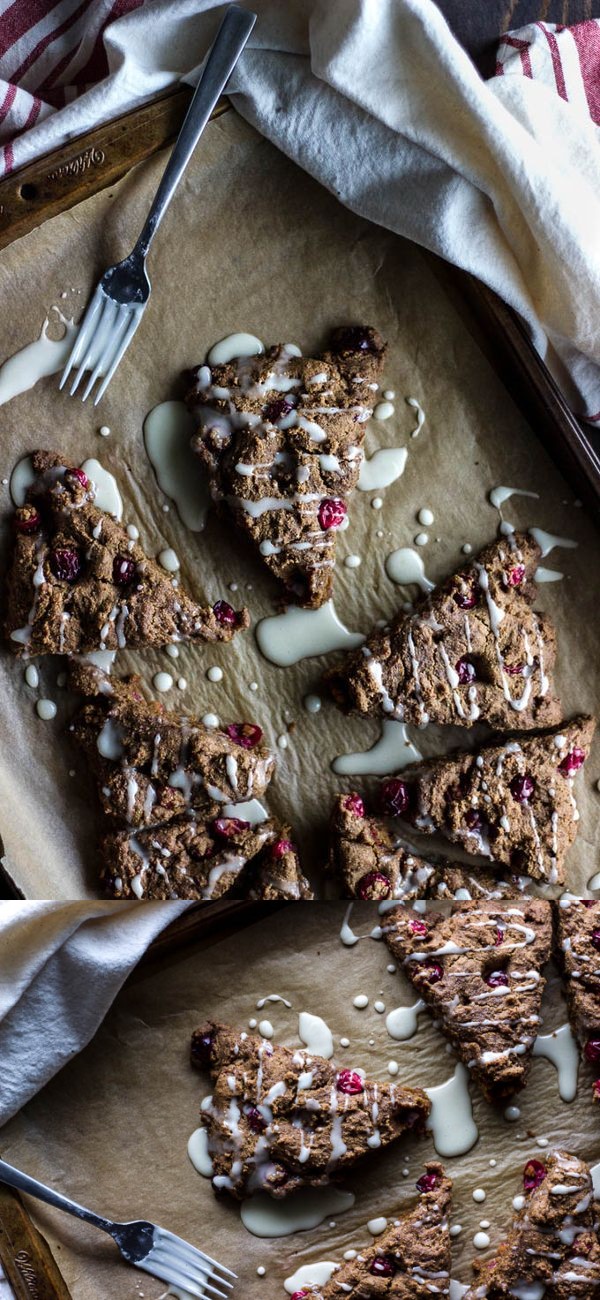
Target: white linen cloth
point(61, 966)
point(377, 100)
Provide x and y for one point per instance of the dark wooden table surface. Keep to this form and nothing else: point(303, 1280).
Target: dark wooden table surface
point(478, 23)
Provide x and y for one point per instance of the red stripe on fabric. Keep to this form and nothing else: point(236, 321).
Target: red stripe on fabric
point(556, 60)
point(587, 40)
point(591, 419)
point(8, 102)
point(32, 116)
point(49, 38)
point(516, 43)
point(20, 18)
point(96, 67)
point(9, 158)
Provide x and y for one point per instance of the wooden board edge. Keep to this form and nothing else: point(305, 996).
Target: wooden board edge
point(208, 922)
point(27, 1261)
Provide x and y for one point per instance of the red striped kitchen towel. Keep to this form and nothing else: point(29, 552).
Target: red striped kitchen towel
point(564, 58)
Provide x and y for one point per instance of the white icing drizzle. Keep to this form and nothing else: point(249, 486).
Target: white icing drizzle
point(44, 356)
point(405, 567)
point(168, 428)
point(560, 1049)
point(315, 1034)
point(390, 753)
point(298, 634)
point(451, 1120)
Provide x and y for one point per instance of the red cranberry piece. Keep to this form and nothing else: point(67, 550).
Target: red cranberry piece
point(474, 821)
point(522, 787)
point(65, 564)
point(533, 1175)
point(498, 979)
point(82, 478)
point(515, 576)
point(229, 827)
point(246, 734)
point(417, 927)
point(596, 939)
point(124, 569)
point(255, 1120)
point(349, 1082)
point(281, 847)
point(202, 1050)
point(299, 1295)
point(354, 804)
point(596, 1090)
point(499, 938)
point(427, 1182)
point(225, 614)
point(514, 670)
point(466, 597)
point(353, 338)
point(591, 1051)
point(276, 409)
point(395, 797)
point(573, 761)
point(432, 971)
point(466, 671)
point(383, 1266)
point(332, 513)
point(373, 886)
point(27, 520)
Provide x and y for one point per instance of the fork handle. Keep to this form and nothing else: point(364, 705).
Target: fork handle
point(23, 1183)
point(224, 54)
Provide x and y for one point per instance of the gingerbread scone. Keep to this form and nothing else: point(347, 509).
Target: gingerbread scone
point(513, 802)
point(371, 863)
point(578, 935)
point(78, 583)
point(480, 971)
point(299, 1122)
point(152, 765)
point(185, 858)
point(552, 1250)
point(281, 437)
point(473, 651)
point(411, 1260)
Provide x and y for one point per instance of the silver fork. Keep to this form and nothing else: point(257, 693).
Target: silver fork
point(121, 297)
point(143, 1244)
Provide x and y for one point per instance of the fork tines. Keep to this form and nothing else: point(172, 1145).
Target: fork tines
point(174, 1260)
point(105, 332)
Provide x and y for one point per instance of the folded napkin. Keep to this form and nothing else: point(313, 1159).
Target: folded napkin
point(377, 100)
point(61, 965)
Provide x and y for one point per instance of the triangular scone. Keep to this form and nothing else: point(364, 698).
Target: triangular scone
point(371, 863)
point(473, 650)
point(512, 801)
point(152, 765)
point(281, 436)
point(79, 583)
point(479, 969)
point(411, 1260)
point(552, 1249)
point(578, 933)
point(184, 858)
point(280, 1119)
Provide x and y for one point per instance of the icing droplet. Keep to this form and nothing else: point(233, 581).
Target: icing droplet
point(210, 720)
point(215, 674)
point(421, 539)
point(265, 1028)
point(315, 1034)
point(425, 517)
point(380, 470)
point(168, 560)
point(512, 1114)
point(32, 676)
point(352, 561)
point(312, 703)
point(234, 345)
point(481, 1241)
point(360, 1001)
point(412, 401)
point(405, 567)
point(162, 681)
point(104, 431)
point(384, 410)
point(376, 1226)
point(46, 710)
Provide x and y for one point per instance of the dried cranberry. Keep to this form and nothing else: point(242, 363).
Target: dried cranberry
point(432, 971)
point(65, 564)
point(349, 1082)
point(516, 575)
point(383, 1266)
point(373, 886)
point(354, 804)
point(596, 939)
point(573, 761)
point(474, 821)
point(202, 1050)
point(514, 670)
point(596, 1090)
point(255, 1120)
point(353, 338)
point(299, 1295)
point(82, 478)
point(395, 797)
point(27, 520)
point(466, 671)
point(276, 409)
point(498, 979)
point(124, 570)
point(533, 1175)
point(229, 827)
point(281, 847)
point(225, 614)
point(417, 927)
point(427, 1182)
point(522, 787)
point(591, 1051)
point(332, 513)
point(499, 937)
point(246, 734)
point(466, 598)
